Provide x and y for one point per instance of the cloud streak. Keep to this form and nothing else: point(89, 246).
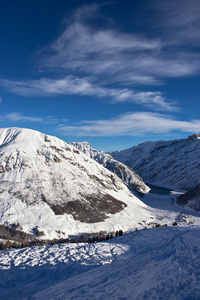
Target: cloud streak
point(15, 117)
point(72, 85)
point(180, 20)
point(131, 124)
point(109, 63)
point(18, 117)
point(120, 57)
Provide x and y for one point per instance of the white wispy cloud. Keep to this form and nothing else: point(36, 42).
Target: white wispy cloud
point(72, 85)
point(105, 62)
point(131, 124)
point(47, 87)
point(0, 100)
point(181, 21)
point(19, 117)
point(119, 57)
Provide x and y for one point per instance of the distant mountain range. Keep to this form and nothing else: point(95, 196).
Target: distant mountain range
point(173, 164)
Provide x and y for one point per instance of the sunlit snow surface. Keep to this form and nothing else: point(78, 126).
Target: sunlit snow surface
point(86, 254)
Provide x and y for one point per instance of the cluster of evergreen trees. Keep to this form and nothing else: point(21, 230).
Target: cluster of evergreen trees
point(13, 237)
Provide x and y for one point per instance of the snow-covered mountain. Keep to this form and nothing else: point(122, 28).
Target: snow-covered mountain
point(48, 184)
point(172, 164)
point(124, 172)
point(190, 199)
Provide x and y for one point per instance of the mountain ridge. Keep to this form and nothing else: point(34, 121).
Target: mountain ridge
point(172, 164)
point(124, 172)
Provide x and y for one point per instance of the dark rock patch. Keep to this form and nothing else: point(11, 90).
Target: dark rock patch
point(92, 209)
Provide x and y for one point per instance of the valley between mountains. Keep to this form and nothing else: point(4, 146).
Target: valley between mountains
point(51, 191)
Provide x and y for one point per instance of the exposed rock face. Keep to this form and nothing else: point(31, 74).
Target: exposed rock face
point(194, 136)
point(122, 171)
point(172, 164)
point(49, 184)
point(190, 199)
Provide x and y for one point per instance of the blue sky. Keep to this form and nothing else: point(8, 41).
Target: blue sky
point(112, 73)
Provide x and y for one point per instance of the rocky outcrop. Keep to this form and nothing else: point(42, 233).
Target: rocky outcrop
point(194, 136)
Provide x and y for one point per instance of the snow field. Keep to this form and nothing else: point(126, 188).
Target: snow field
point(159, 263)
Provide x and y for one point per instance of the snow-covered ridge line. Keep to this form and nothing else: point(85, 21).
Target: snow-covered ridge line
point(127, 174)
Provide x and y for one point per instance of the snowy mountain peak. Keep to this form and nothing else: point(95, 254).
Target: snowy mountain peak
point(24, 138)
point(49, 184)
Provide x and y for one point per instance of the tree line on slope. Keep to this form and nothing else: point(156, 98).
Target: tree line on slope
point(13, 237)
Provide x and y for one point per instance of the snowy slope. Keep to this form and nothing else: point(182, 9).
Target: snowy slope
point(47, 183)
point(125, 173)
point(173, 164)
point(159, 263)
